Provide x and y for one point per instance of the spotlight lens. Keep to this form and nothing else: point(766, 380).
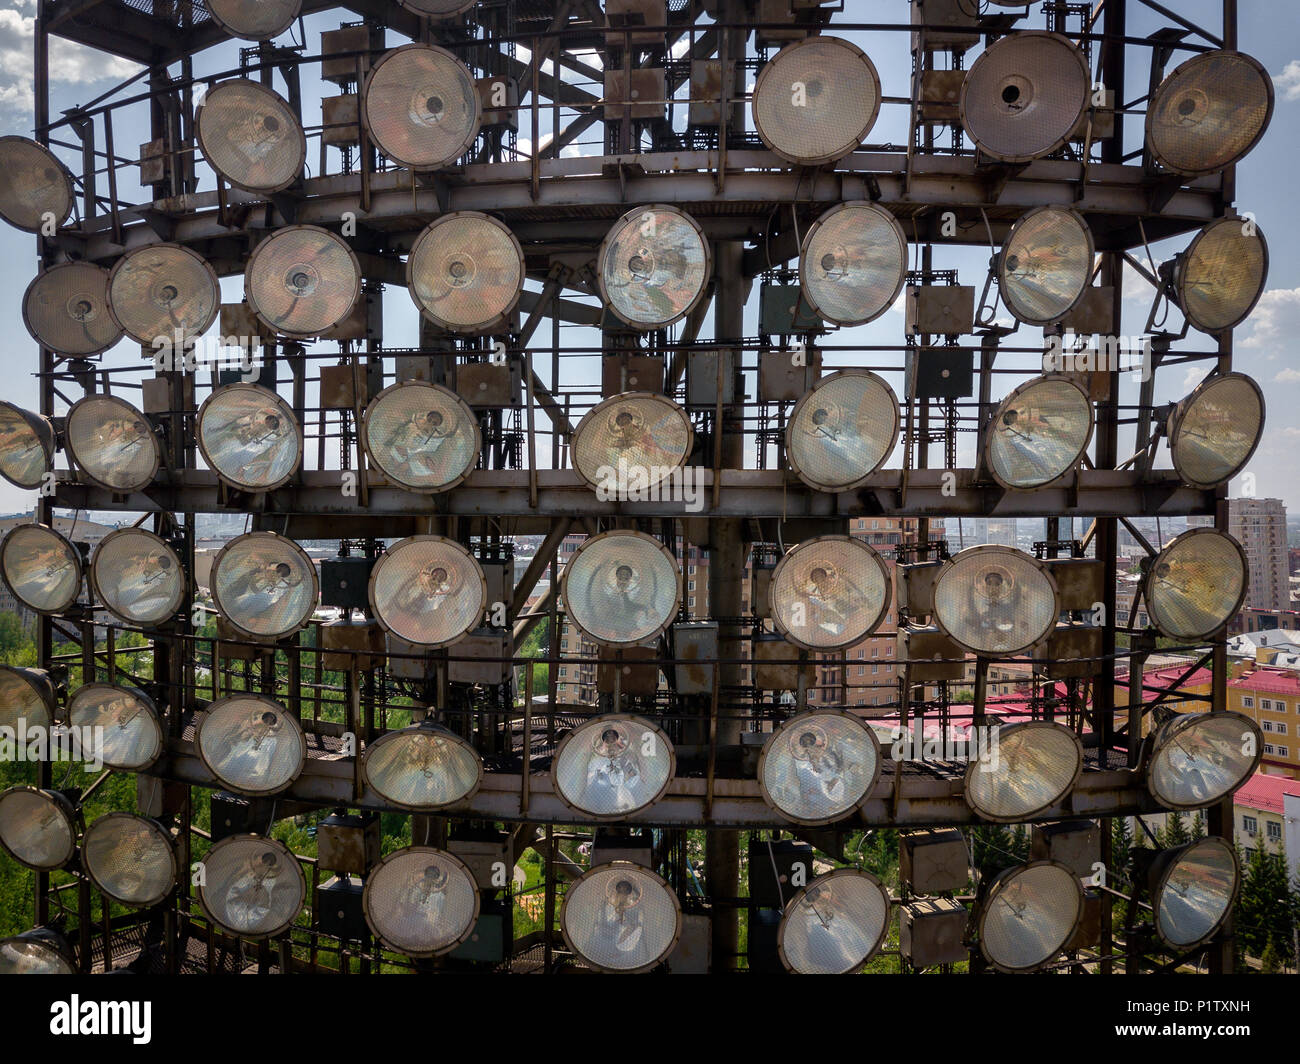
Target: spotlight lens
point(631, 441)
point(252, 744)
point(421, 436)
point(1045, 265)
point(112, 443)
point(264, 585)
point(428, 591)
point(1199, 758)
point(37, 828)
point(138, 576)
point(250, 437)
point(1039, 433)
point(1030, 913)
point(995, 600)
point(654, 266)
point(125, 721)
point(164, 292)
point(26, 955)
point(613, 766)
point(835, 924)
point(421, 768)
point(26, 699)
point(41, 568)
point(621, 588)
point(1036, 765)
point(421, 106)
point(853, 263)
point(252, 886)
point(302, 281)
point(842, 430)
point(251, 137)
point(421, 901)
point(34, 185)
point(1196, 584)
point(438, 8)
point(130, 859)
point(255, 20)
point(621, 918)
point(829, 593)
point(466, 272)
point(1216, 430)
point(819, 766)
point(66, 309)
point(1222, 274)
point(1196, 892)
point(26, 447)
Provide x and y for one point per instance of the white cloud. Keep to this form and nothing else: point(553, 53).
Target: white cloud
point(1192, 377)
point(1288, 82)
point(1275, 321)
point(1287, 376)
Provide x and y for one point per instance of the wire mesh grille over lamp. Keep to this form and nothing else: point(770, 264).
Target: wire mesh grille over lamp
point(995, 600)
point(429, 591)
point(1209, 112)
point(853, 263)
point(26, 699)
point(835, 924)
point(621, 918)
point(252, 744)
point(1198, 758)
point(251, 137)
point(654, 266)
point(421, 106)
point(264, 585)
point(422, 768)
point(819, 766)
point(466, 273)
point(38, 828)
point(816, 100)
point(1196, 584)
point(36, 953)
point(421, 436)
point(440, 9)
point(34, 185)
point(125, 721)
point(254, 20)
point(421, 901)
point(1029, 913)
point(1024, 96)
point(41, 569)
point(1045, 265)
point(26, 446)
point(829, 593)
point(1195, 887)
point(66, 310)
point(138, 576)
point(1214, 431)
point(163, 291)
point(1039, 433)
point(612, 766)
point(252, 886)
point(250, 437)
point(1035, 765)
point(1220, 277)
point(632, 442)
point(130, 859)
point(842, 430)
point(112, 444)
point(302, 281)
point(621, 588)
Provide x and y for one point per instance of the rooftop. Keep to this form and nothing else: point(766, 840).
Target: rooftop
point(1265, 793)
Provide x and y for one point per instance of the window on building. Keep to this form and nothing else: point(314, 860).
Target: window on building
point(1250, 825)
point(564, 670)
point(1269, 749)
point(1247, 701)
point(1283, 752)
point(1280, 728)
point(1273, 831)
point(1267, 725)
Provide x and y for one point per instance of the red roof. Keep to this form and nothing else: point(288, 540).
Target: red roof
point(1274, 681)
point(1162, 679)
point(1265, 793)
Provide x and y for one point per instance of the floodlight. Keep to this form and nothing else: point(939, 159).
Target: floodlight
point(842, 430)
point(251, 743)
point(1196, 584)
point(438, 9)
point(40, 952)
point(1039, 433)
point(1209, 112)
point(996, 600)
point(422, 437)
point(138, 577)
point(163, 292)
point(34, 186)
point(26, 446)
point(466, 273)
point(251, 137)
point(130, 859)
point(1032, 768)
point(619, 917)
point(632, 443)
point(41, 569)
point(1045, 265)
point(112, 444)
point(421, 107)
point(1195, 886)
point(254, 20)
point(835, 924)
point(1214, 431)
point(302, 281)
point(853, 263)
point(252, 886)
point(816, 100)
point(819, 766)
point(429, 591)
point(1024, 96)
point(26, 700)
point(66, 310)
point(654, 266)
point(1219, 278)
point(38, 828)
point(1199, 758)
point(421, 901)
point(613, 766)
point(621, 588)
point(125, 722)
point(1029, 914)
point(250, 437)
point(829, 593)
point(264, 585)
point(422, 768)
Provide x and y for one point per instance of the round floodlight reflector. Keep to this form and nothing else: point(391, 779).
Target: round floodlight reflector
point(816, 100)
point(621, 588)
point(112, 444)
point(1209, 113)
point(438, 9)
point(252, 744)
point(829, 593)
point(252, 886)
point(1214, 431)
point(819, 766)
point(254, 20)
point(1199, 758)
point(164, 292)
point(835, 924)
point(1024, 96)
point(1195, 887)
point(1039, 433)
point(621, 918)
point(429, 591)
point(35, 188)
point(26, 447)
point(996, 600)
point(421, 106)
point(66, 310)
point(1196, 584)
point(26, 700)
point(251, 137)
point(654, 266)
point(1029, 914)
point(302, 281)
point(422, 768)
point(466, 273)
point(422, 437)
point(853, 263)
point(41, 569)
point(130, 859)
point(1036, 764)
point(124, 721)
point(265, 585)
point(1220, 277)
point(1045, 265)
point(138, 576)
point(421, 902)
point(613, 766)
point(38, 828)
point(632, 442)
point(250, 437)
point(39, 952)
point(842, 430)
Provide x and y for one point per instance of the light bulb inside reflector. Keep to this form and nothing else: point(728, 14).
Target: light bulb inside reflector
point(422, 437)
point(130, 859)
point(66, 310)
point(421, 901)
point(421, 768)
point(421, 106)
point(612, 766)
point(466, 273)
point(1195, 890)
point(254, 20)
point(835, 924)
point(853, 263)
point(429, 591)
point(1196, 584)
point(163, 292)
point(41, 568)
point(1220, 277)
point(36, 953)
point(1045, 265)
point(26, 446)
point(302, 281)
point(138, 576)
point(38, 828)
point(819, 766)
point(252, 744)
point(26, 700)
point(621, 588)
point(250, 437)
point(1036, 765)
point(1039, 433)
point(842, 430)
point(621, 918)
point(1198, 758)
point(1214, 431)
point(996, 600)
point(125, 722)
point(251, 137)
point(34, 186)
point(252, 886)
point(654, 266)
point(264, 585)
point(112, 443)
point(632, 442)
point(1029, 913)
point(829, 593)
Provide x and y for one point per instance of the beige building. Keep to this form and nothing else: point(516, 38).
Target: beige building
point(1259, 525)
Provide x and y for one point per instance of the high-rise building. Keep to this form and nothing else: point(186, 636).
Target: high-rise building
point(1259, 525)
